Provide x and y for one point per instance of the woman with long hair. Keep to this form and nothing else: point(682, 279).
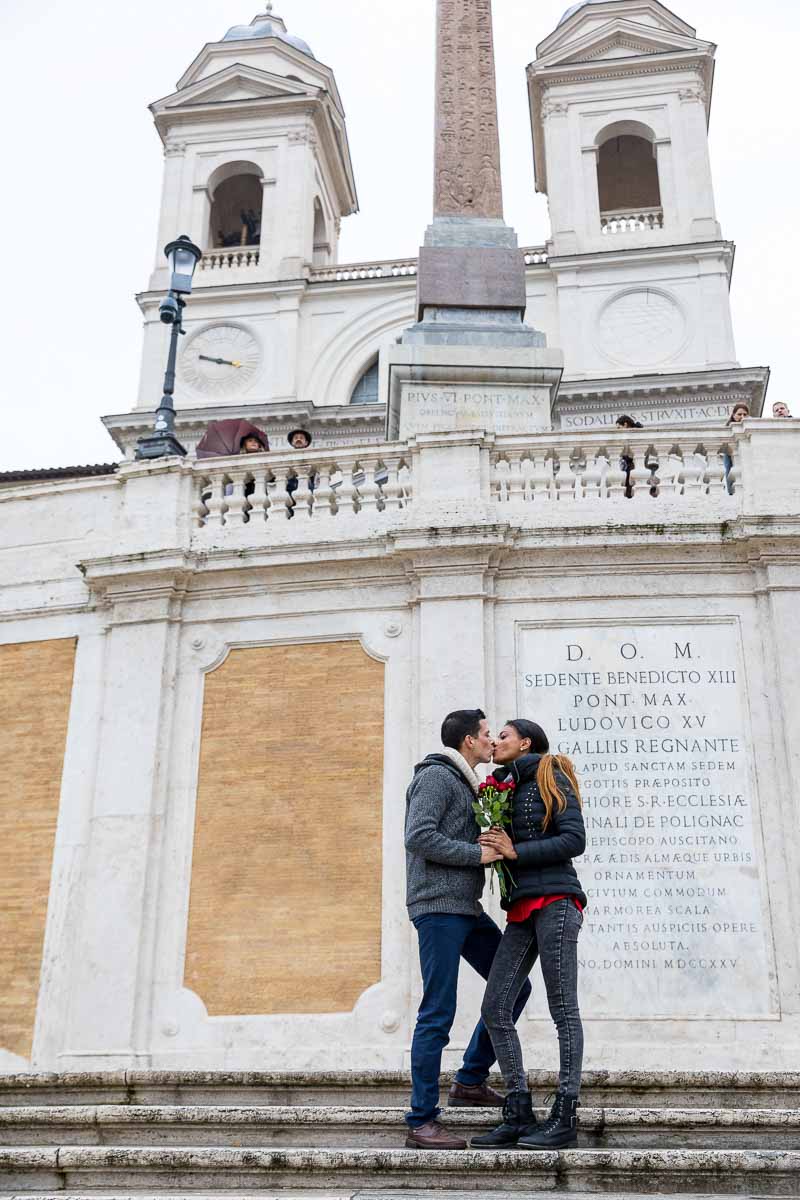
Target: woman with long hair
point(545, 914)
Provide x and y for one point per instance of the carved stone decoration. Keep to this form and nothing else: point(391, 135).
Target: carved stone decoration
point(554, 108)
point(696, 94)
point(467, 173)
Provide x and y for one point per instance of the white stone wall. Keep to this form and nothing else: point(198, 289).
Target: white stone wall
point(473, 570)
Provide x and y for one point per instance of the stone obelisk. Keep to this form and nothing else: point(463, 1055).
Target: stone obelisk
point(469, 364)
point(471, 282)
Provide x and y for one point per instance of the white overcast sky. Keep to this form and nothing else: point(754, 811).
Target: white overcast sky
point(81, 185)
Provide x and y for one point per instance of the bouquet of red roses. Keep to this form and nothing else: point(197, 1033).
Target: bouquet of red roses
point(493, 808)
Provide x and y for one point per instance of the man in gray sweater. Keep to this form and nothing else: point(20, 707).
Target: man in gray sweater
point(445, 878)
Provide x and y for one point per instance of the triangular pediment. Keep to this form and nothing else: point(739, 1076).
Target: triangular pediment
point(233, 85)
point(620, 40)
point(617, 29)
point(617, 39)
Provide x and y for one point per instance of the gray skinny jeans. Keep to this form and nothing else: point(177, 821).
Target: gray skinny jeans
point(551, 935)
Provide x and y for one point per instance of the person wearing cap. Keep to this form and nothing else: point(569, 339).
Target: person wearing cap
point(299, 439)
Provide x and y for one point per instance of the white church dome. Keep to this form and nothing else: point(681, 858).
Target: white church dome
point(575, 7)
point(267, 26)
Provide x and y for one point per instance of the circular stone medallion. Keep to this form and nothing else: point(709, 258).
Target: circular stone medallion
point(641, 328)
point(235, 346)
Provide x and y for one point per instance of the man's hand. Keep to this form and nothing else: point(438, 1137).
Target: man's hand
point(489, 855)
point(499, 841)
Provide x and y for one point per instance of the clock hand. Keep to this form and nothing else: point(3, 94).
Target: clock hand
point(221, 362)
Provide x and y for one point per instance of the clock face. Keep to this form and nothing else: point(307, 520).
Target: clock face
point(239, 351)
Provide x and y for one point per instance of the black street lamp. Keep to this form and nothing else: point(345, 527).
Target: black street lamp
point(183, 256)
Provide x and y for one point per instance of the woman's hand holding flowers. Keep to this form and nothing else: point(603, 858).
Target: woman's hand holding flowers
point(497, 839)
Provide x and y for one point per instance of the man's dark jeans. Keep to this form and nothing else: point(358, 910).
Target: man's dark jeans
point(444, 939)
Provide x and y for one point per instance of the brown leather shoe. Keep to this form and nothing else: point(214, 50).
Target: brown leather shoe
point(478, 1095)
point(434, 1136)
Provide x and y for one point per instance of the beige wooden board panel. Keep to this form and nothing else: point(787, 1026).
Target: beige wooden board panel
point(285, 907)
point(35, 691)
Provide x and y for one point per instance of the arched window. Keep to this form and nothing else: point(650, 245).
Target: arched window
point(237, 197)
point(322, 243)
point(627, 179)
point(366, 390)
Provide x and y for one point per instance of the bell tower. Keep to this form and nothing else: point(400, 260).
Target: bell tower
point(620, 98)
point(257, 171)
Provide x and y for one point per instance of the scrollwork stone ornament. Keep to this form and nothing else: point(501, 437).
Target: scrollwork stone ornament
point(553, 108)
point(696, 94)
point(393, 629)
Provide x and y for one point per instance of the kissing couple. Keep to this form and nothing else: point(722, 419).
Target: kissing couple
point(446, 857)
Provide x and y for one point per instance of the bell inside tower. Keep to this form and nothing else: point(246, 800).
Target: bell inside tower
point(236, 210)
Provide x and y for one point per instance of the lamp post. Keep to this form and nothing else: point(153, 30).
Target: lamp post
point(183, 256)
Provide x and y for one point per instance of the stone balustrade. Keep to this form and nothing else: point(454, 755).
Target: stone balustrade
point(596, 478)
point(638, 220)
point(273, 488)
point(238, 257)
point(231, 258)
point(351, 272)
point(634, 464)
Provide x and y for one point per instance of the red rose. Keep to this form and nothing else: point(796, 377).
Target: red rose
point(490, 781)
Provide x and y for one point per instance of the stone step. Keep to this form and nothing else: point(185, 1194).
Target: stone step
point(319, 1127)
point(601, 1089)
point(125, 1169)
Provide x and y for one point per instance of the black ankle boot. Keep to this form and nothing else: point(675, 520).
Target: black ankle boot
point(518, 1119)
point(559, 1130)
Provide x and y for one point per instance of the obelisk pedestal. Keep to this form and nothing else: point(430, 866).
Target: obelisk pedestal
point(469, 362)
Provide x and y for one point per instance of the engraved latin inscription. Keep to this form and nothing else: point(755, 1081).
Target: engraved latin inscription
point(654, 717)
point(467, 173)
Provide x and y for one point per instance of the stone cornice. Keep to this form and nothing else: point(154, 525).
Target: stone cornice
point(662, 253)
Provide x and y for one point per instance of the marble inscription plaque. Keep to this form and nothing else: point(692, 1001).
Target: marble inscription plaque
point(654, 716)
point(467, 145)
point(672, 414)
point(438, 408)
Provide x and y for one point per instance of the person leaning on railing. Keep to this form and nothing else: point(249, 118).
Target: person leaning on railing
point(740, 413)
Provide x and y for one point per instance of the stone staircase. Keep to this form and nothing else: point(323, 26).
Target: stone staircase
point(136, 1133)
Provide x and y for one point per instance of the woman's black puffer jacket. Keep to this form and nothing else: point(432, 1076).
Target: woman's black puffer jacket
point(544, 866)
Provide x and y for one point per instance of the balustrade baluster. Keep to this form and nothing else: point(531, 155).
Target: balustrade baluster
point(694, 473)
point(715, 474)
point(516, 482)
point(639, 477)
point(581, 469)
point(369, 491)
point(280, 502)
point(541, 478)
point(217, 502)
point(392, 490)
point(565, 480)
point(500, 479)
point(615, 477)
point(406, 481)
point(303, 496)
point(323, 493)
point(346, 492)
point(258, 498)
point(237, 501)
point(597, 478)
point(199, 507)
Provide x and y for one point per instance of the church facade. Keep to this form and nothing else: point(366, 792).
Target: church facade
point(216, 685)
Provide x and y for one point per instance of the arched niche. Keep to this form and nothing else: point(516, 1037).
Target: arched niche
point(322, 241)
point(627, 171)
point(236, 193)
